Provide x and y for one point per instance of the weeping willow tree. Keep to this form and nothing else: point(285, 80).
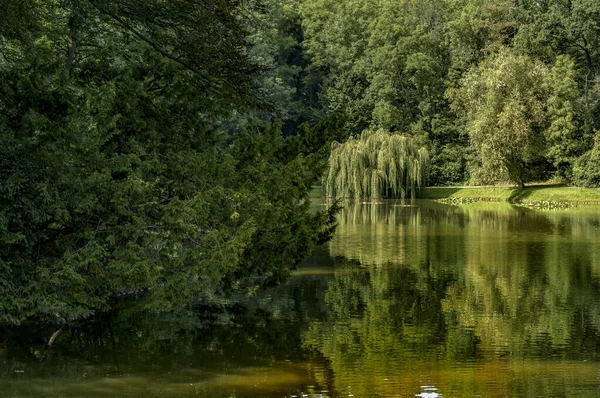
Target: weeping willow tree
point(376, 165)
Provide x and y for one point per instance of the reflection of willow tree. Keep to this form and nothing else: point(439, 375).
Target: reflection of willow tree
point(461, 283)
point(380, 321)
point(398, 232)
point(378, 164)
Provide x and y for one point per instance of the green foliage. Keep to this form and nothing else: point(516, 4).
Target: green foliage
point(448, 165)
point(564, 133)
point(378, 164)
point(386, 58)
point(290, 82)
point(129, 159)
point(548, 30)
point(503, 102)
point(389, 64)
point(586, 171)
point(115, 173)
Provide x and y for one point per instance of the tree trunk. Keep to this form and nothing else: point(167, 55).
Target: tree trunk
point(71, 44)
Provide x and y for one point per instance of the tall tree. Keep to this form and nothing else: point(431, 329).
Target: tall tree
point(586, 170)
point(290, 81)
point(564, 134)
point(503, 102)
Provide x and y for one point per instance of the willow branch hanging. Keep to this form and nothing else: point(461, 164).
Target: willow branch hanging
point(376, 165)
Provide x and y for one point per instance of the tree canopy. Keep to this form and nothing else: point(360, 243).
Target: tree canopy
point(118, 169)
point(410, 65)
point(503, 102)
point(376, 165)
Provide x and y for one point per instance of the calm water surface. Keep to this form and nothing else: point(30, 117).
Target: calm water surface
point(409, 300)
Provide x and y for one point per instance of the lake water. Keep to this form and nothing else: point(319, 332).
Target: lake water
point(410, 299)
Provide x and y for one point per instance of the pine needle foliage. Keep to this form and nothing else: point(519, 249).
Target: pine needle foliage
point(378, 164)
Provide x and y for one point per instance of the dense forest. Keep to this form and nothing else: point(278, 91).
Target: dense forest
point(495, 90)
point(171, 146)
point(139, 152)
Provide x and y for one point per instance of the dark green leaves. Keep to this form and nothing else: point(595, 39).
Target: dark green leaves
point(116, 174)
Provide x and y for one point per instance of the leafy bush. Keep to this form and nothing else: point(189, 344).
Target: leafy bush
point(449, 165)
point(586, 171)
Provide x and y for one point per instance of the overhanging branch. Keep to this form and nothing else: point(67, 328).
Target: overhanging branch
point(151, 43)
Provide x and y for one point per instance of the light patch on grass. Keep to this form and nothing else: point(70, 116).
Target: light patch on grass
point(550, 193)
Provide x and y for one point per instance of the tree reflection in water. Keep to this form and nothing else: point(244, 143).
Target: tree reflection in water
point(481, 299)
point(409, 299)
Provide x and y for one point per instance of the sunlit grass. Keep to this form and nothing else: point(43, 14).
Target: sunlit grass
point(550, 193)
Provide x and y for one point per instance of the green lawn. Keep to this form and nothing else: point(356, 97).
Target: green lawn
point(534, 193)
point(550, 193)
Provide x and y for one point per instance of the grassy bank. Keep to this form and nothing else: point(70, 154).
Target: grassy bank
point(534, 193)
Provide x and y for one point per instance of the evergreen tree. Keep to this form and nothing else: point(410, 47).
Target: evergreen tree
point(115, 174)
